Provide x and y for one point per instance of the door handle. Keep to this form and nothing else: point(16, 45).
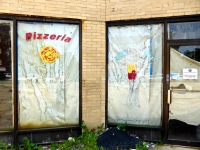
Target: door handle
point(169, 97)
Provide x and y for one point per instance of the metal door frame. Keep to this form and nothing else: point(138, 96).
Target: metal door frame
point(167, 95)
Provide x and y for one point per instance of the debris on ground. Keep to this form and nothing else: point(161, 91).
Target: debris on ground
point(114, 138)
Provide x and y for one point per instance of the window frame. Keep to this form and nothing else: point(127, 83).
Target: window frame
point(17, 134)
point(164, 128)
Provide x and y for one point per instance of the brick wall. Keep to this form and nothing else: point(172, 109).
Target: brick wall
point(137, 9)
point(93, 73)
point(80, 9)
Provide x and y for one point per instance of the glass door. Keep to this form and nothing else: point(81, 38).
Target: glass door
point(184, 93)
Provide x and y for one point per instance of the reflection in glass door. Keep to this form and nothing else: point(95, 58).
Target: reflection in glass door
point(6, 77)
point(184, 97)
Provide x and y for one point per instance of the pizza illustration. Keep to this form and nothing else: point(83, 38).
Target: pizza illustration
point(49, 54)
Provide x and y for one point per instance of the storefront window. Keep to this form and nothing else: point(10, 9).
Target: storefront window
point(48, 74)
point(6, 79)
point(184, 30)
point(135, 74)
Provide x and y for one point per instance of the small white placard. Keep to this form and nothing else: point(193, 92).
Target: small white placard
point(190, 73)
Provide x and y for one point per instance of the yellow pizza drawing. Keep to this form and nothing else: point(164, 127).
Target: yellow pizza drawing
point(49, 54)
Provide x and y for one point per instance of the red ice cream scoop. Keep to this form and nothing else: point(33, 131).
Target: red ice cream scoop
point(132, 75)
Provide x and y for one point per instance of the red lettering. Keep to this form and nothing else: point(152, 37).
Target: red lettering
point(58, 37)
point(34, 35)
point(53, 36)
point(63, 38)
point(45, 36)
point(67, 39)
point(28, 36)
point(39, 36)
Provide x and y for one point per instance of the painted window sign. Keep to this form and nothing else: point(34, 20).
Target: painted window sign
point(49, 54)
point(48, 75)
point(35, 36)
point(132, 71)
point(123, 53)
point(135, 74)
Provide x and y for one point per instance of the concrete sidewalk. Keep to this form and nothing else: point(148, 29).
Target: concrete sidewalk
point(175, 147)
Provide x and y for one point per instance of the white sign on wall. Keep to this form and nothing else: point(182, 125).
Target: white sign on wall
point(190, 73)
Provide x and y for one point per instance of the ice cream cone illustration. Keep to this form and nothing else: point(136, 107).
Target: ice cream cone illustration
point(132, 99)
